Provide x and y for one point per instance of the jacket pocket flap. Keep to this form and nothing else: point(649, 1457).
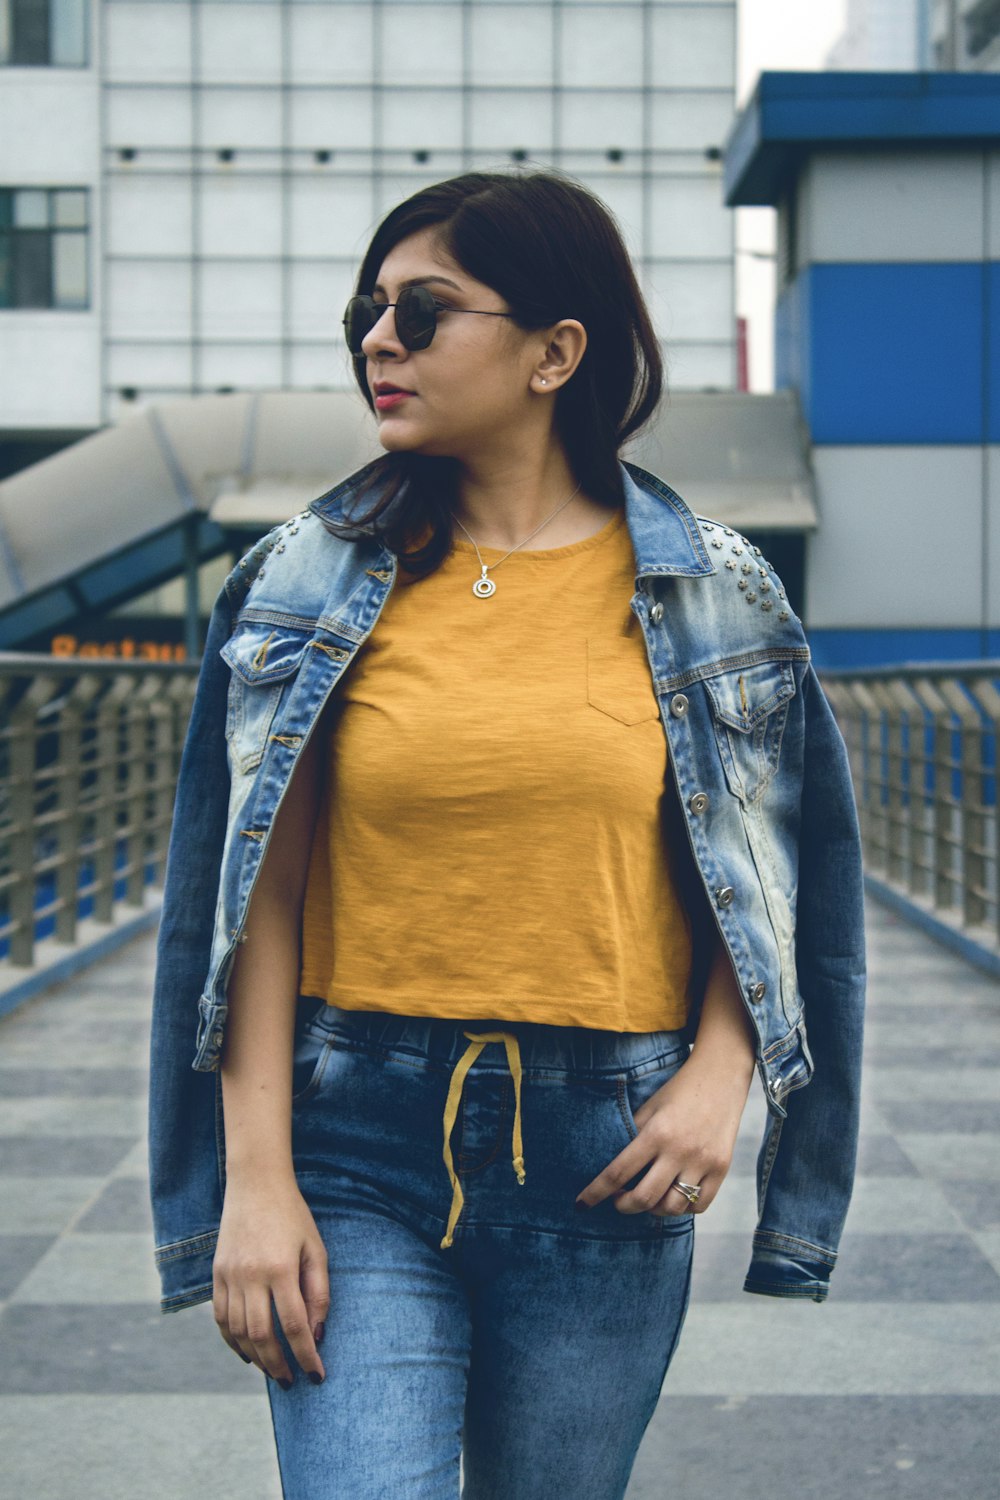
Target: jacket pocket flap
point(261, 653)
point(744, 697)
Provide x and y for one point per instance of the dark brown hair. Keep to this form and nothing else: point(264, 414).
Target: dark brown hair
point(552, 249)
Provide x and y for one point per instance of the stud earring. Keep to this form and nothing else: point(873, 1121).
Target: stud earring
point(544, 381)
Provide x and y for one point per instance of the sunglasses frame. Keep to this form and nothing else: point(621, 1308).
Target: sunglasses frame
point(424, 301)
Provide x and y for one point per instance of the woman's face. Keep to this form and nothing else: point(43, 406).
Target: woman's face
point(472, 386)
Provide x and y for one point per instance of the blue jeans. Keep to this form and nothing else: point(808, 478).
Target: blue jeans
point(529, 1340)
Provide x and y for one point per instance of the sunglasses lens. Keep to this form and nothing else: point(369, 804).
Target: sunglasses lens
point(359, 320)
point(416, 317)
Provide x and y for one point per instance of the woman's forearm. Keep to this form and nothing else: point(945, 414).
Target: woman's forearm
point(256, 1061)
point(263, 987)
point(725, 1037)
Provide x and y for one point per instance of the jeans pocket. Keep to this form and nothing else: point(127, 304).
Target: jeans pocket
point(311, 1053)
point(636, 1085)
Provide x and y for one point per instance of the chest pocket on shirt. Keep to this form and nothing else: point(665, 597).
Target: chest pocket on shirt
point(749, 710)
point(262, 657)
point(618, 679)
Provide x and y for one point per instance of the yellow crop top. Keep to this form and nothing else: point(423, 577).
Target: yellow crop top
point(490, 841)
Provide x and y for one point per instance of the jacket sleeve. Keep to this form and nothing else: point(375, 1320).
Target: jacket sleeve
point(183, 1176)
point(805, 1171)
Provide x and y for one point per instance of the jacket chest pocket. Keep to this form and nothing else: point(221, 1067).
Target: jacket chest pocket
point(262, 659)
point(749, 711)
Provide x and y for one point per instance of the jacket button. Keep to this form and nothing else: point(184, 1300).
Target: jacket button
point(724, 895)
point(678, 705)
point(758, 991)
point(656, 613)
point(698, 802)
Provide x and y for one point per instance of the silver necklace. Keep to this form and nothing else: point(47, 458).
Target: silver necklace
point(484, 586)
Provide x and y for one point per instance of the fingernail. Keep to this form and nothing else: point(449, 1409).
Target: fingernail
point(580, 1205)
point(319, 1331)
point(316, 1377)
point(286, 1385)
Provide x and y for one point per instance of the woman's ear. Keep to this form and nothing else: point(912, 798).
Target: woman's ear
point(564, 350)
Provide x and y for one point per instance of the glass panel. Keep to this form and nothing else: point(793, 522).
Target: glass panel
point(70, 209)
point(689, 121)
point(332, 118)
point(694, 46)
point(326, 212)
point(240, 43)
point(31, 208)
point(30, 25)
point(421, 43)
point(69, 33)
point(411, 120)
point(689, 218)
point(503, 122)
point(601, 121)
point(32, 267)
point(241, 217)
point(513, 45)
point(332, 43)
point(69, 270)
point(601, 46)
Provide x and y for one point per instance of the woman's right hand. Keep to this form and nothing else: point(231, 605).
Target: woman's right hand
point(269, 1246)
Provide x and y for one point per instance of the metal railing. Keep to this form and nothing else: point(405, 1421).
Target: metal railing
point(89, 757)
point(90, 752)
point(922, 741)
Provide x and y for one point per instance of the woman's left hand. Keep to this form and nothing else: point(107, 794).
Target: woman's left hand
point(687, 1130)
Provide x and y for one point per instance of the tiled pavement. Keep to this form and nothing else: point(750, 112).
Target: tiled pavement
point(889, 1389)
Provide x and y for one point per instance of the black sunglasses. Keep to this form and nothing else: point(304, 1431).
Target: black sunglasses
point(416, 317)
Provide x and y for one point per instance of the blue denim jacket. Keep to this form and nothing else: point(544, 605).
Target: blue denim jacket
point(764, 820)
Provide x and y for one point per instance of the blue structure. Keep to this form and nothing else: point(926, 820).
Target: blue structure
point(887, 188)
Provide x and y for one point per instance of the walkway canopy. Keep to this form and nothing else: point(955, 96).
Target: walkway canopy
point(137, 504)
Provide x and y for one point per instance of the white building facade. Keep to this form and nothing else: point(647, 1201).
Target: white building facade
point(187, 186)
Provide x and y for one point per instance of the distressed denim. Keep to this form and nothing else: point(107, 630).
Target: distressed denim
point(535, 1343)
point(758, 800)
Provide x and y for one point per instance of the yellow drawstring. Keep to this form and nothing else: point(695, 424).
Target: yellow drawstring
point(477, 1042)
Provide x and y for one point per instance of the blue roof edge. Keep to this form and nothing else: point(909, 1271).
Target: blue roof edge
point(791, 113)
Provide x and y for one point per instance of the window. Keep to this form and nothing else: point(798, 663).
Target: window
point(43, 247)
point(43, 33)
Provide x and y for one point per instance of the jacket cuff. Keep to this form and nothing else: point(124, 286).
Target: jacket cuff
point(781, 1266)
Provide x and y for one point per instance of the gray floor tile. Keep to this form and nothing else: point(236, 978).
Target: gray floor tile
point(116, 1349)
point(773, 1346)
point(39, 1205)
point(18, 1253)
point(801, 1448)
point(870, 1268)
point(969, 1083)
point(889, 1055)
point(95, 1268)
point(62, 1115)
point(123, 1206)
point(940, 1156)
point(137, 1447)
point(966, 1115)
point(62, 1155)
point(94, 1083)
point(977, 1203)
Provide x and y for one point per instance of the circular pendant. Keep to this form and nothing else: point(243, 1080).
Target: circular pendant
point(483, 588)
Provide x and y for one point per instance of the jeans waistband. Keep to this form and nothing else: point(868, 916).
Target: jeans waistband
point(579, 1050)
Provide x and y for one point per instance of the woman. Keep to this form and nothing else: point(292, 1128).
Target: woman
point(572, 809)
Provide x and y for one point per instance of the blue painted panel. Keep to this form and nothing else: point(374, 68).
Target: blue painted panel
point(894, 352)
point(876, 648)
point(793, 114)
